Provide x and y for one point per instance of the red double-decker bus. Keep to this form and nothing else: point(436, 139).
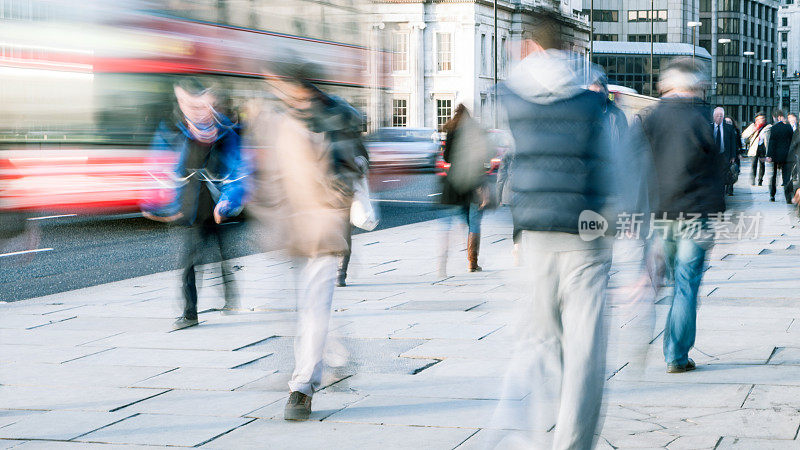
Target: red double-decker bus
point(83, 89)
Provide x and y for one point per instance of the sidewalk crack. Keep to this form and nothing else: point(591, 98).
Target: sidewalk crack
point(747, 396)
point(224, 433)
point(468, 438)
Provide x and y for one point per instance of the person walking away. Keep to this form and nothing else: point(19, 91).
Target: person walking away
point(307, 152)
point(504, 196)
point(561, 178)
point(212, 187)
point(753, 136)
point(725, 139)
point(780, 140)
point(688, 190)
point(466, 149)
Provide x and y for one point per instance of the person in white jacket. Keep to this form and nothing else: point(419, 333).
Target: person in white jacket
point(754, 136)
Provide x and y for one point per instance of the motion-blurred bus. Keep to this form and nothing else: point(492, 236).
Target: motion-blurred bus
point(84, 86)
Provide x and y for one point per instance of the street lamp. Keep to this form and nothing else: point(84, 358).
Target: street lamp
point(694, 26)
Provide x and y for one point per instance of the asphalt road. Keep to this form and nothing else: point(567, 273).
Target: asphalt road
point(86, 251)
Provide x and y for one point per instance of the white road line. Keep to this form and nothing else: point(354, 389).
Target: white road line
point(52, 217)
point(389, 181)
point(38, 250)
point(401, 201)
point(434, 195)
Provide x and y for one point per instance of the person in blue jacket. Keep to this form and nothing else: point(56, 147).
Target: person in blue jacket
point(211, 185)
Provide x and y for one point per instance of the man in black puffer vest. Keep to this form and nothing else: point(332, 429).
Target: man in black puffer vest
point(560, 186)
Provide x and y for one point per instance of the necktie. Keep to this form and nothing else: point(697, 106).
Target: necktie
point(719, 138)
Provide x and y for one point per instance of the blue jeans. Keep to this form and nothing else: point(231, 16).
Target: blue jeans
point(472, 216)
point(685, 260)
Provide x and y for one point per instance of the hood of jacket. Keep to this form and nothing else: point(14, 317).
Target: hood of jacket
point(547, 77)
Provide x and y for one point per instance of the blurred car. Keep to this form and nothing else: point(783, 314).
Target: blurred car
point(400, 148)
point(500, 141)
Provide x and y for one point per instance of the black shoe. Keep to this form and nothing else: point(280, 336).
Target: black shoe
point(340, 281)
point(759, 183)
point(183, 322)
point(680, 368)
point(772, 199)
point(298, 407)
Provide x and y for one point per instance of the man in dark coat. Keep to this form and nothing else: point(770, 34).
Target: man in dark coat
point(725, 140)
point(780, 139)
point(687, 190)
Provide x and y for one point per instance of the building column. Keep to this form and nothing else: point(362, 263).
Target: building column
point(417, 96)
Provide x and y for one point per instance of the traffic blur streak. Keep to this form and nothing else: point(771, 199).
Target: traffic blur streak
point(85, 88)
point(69, 181)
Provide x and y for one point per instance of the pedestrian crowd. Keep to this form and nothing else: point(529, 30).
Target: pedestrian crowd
point(299, 166)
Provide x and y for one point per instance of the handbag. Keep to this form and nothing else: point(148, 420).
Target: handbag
point(487, 197)
point(362, 214)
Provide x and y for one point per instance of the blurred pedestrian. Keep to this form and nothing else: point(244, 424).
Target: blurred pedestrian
point(212, 187)
point(780, 139)
point(465, 187)
point(504, 196)
point(725, 140)
point(753, 136)
point(736, 167)
point(792, 119)
point(561, 179)
point(309, 156)
point(688, 189)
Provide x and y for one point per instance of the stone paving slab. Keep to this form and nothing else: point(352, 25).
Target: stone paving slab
point(338, 436)
point(425, 356)
point(164, 430)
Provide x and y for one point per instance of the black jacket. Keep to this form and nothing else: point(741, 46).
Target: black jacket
point(780, 139)
point(561, 160)
point(729, 138)
point(686, 162)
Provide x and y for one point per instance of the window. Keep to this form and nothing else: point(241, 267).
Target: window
point(784, 53)
point(604, 15)
point(646, 38)
point(705, 26)
point(705, 5)
point(400, 52)
point(784, 22)
point(730, 49)
point(643, 15)
point(503, 55)
point(399, 112)
point(606, 37)
point(784, 37)
point(728, 5)
point(444, 109)
point(491, 52)
point(444, 52)
point(706, 44)
point(728, 69)
point(728, 25)
point(483, 55)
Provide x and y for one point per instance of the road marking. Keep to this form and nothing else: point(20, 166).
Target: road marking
point(389, 181)
point(38, 250)
point(434, 195)
point(52, 217)
point(427, 202)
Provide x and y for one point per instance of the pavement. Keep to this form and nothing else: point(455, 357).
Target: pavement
point(416, 361)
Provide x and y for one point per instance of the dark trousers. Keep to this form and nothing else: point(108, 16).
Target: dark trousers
point(344, 257)
point(198, 238)
point(757, 165)
point(786, 177)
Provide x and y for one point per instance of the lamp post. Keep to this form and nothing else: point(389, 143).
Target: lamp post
point(652, 21)
point(494, 44)
point(694, 26)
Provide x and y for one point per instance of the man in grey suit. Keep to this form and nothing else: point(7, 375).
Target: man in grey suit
point(725, 140)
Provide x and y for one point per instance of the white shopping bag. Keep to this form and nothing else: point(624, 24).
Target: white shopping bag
point(362, 214)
